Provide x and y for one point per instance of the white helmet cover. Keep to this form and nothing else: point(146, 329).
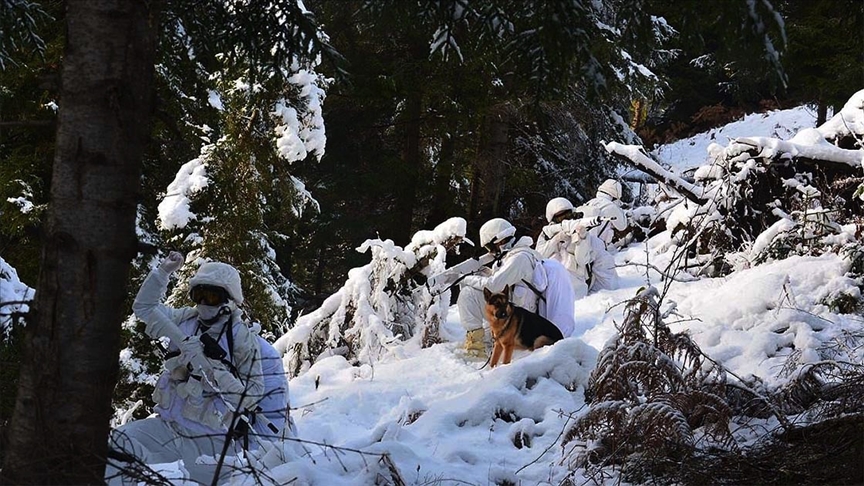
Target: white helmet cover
point(557, 205)
point(610, 187)
point(219, 275)
point(497, 229)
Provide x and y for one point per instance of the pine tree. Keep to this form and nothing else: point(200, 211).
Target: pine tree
point(823, 71)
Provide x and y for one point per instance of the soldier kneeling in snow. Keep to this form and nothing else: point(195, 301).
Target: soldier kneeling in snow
point(514, 265)
point(199, 396)
point(571, 242)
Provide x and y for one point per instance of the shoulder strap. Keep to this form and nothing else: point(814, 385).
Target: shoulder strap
point(534, 289)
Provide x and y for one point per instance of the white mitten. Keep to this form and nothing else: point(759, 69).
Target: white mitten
point(550, 230)
point(172, 262)
point(190, 349)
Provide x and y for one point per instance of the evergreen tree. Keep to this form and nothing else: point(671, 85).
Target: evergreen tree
point(723, 56)
point(240, 108)
point(824, 68)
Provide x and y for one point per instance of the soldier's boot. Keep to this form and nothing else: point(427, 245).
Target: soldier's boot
point(475, 346)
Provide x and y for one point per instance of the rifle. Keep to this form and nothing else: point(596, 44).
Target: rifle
point(453, 275)
point(576, 227)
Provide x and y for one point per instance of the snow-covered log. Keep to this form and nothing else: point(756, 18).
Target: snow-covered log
point(757, 190)
point(847, 124)
point(636, 155)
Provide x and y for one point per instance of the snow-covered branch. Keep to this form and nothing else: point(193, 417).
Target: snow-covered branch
point(807, 143)
point(636, 155)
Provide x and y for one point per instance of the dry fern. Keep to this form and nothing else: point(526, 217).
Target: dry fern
point(649, 394)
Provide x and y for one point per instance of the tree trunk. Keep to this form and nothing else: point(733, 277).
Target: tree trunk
point(59, 429)
point(821, 113)
point(442, 198)
point(406, 195)
point(493, 157)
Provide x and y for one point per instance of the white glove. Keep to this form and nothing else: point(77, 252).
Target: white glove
point(192, 352)
point(190, 348)
point(172, 262)
point(575, 227)
point(550, 230)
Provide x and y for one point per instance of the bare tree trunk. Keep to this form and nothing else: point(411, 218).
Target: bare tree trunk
point(60, 425)
point(821, 112)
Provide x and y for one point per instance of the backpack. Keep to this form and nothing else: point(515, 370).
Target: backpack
point(551, 283)
point(275, 404)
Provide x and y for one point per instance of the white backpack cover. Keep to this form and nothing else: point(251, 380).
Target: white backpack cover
point(552, 279)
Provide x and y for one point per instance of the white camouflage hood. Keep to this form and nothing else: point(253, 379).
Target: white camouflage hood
point(220, 275)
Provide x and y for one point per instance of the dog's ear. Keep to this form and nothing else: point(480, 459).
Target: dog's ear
point(486, 294)
point(508, 291)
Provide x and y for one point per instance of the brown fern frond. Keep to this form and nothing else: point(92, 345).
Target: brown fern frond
point(602, 419)
point(651, 378)
point(801, 391)
point(708, 411)
point(828, 387)
point(651, 389)
point(681, 347)
point(605, 382)
point(660, 425)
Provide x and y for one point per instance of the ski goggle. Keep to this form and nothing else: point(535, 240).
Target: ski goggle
point(495, 245)
point(562, 215)
point(208, 295)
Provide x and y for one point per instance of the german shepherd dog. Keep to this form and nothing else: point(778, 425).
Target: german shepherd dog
point(514, 327)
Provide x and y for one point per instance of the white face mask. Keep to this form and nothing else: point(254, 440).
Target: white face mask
point(208, 312)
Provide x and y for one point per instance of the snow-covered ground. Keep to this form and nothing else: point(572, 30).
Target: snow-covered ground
point(692, 152)
point(442, 419)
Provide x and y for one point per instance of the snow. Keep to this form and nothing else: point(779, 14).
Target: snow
point(850, 119)
point(692, 152)
point(443, 418)
point(192, 177)
point(13, 295)
point(215, 100)
point(436, 413)
point(300, 134)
